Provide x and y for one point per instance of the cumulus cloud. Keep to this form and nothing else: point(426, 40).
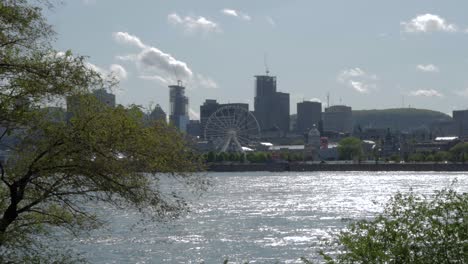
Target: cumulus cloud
point(426, 93)
point(156, 65)
point(125, 38)
point(427, 68)
point(115, 71)
point(358, 79)
point(235, 13)
point(428, 23)
point(193, 24)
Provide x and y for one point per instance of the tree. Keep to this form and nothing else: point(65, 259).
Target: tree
point(350, 148)
point(54, 167)
point(460, 152)
point(412, 229)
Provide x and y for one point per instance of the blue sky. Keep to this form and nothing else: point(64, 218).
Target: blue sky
point(367, 54)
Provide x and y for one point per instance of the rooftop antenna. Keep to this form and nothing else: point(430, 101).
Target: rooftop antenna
point(328, 99)
point(265, 61)
point(179, 82)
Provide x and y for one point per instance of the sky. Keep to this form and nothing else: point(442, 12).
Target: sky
point(367, 54)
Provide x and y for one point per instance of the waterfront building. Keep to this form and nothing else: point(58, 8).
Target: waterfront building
point(313, 144)
point(179, 106)
point(309, 114)
point(271, 106)
point(338, 118)
point(460, 118)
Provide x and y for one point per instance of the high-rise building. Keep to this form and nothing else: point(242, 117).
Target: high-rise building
point(271, 107)
point(460, 118)
point(206, 110)
point(74, 102)
point(158, 114)
point(338, 118)
point(105, 97)
point(179, 106)
point(309, 114)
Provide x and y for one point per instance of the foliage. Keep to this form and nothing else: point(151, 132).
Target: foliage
point(460, 152)
point(350, 148)
point(412, 229)
point(417, 157)
point(54, 166)
point(442, 156)
point(395, 158)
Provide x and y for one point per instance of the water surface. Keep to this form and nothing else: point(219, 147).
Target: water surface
point(261, 217)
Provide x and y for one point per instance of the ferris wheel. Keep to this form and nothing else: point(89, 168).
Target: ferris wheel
point(232, 128)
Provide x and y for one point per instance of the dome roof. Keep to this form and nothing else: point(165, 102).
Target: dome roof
point(314, 132)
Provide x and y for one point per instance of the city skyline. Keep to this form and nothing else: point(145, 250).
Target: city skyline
point(366, 55)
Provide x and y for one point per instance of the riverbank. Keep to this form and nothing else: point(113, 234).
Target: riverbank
point(279, 167)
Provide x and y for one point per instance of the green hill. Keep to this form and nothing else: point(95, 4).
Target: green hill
point(398, 118)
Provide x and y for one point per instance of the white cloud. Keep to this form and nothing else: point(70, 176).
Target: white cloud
point(270, 21)
point(156, 65)
point(193, 114)
point(194, 24)
point(115, 71)
point(427, 68)
point(118, 71)
point(358, 79)
point(235, 13)
point(426, 93)
point(428, 23)
point(125, 38)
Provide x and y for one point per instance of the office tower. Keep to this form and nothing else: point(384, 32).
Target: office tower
point(338, 118)
point(179, 106)
point(308, 114)
point(206, 110)
point(158, 114)
point(104, 97)
point(271, 107)
point(460, 119)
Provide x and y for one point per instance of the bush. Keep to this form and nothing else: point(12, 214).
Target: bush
point(412, 229)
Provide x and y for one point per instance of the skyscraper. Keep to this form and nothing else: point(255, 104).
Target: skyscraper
point(179, 106)
point(104, 97)
point(158, 114)
point(460, 119)
point(271, 107)
point(308, 114)
point(206, 110)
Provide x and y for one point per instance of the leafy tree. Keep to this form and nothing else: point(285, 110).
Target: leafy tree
point(54, 166)
point(350, 148)
point(211, 156)
point(460, 152)
point(442, 156)
point(417, 157)
point(395, 158)
point(412, 229)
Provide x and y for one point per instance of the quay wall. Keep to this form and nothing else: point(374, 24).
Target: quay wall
point(279, 167)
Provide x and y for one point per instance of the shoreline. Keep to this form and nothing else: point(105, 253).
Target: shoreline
point(284, 167)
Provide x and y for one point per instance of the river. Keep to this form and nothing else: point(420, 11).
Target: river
point(259, 217)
